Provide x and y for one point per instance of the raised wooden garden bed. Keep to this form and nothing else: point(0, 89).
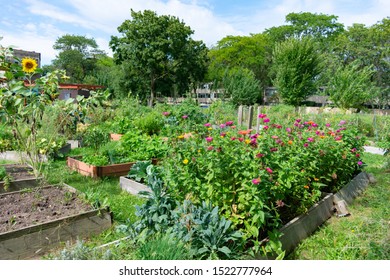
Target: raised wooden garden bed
point(304, 225)
point(21, 177)
point(76, 164)
point(39, 220)
point(132, 186)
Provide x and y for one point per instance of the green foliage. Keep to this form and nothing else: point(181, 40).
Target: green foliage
point(77, 56)
point(81, 252)
point(95, 137)
point(209, 235)
point(296, 64)
point(162, 247)
point(138, 171)
point(249, 52)
point(150, 124)
point(242, 87)
point(3, 173)
point(350, 86)
point(171, 60)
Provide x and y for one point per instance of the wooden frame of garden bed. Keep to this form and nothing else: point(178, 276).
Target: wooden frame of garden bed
point(75, 163)
point(33, 241)
point(304, 225)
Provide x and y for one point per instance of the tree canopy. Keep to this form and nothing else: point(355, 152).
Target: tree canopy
point(77, 55)
point(160, 52)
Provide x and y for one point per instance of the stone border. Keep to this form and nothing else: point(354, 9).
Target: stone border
point(32, 242)
point(132, 186)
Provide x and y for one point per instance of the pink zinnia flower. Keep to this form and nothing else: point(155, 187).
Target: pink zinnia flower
point(269, 170)
point(288, 130)
point(342, 122)
point(184, 117)
point(306, 144)
point(222, 125)
point(209, 139)
point(298, 120)
point(279, 203)
point(265, 127)
point(223, 134)
point(207, 124)
point(240, 139)
point(310, 139)
point(260, 155)
point(360, 163)
point(210, 148)
point(166, 113)
point(256, 181)
point(229, 123)
point(327, 125)
point(273, 149)
point(262, 116)
point(266, 120)
point(233, 138)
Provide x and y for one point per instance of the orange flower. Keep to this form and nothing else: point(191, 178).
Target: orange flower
point(245, 132)
point(306, 187)
point(290, 142)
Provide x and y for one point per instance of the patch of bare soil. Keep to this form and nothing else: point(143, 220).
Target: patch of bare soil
point(18, 171)
point(27, 208)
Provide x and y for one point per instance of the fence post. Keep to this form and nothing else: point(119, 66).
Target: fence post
point(240, 112)
point(258, 119)
point(250, 117)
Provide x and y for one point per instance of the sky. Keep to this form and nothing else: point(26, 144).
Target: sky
point(34, 25)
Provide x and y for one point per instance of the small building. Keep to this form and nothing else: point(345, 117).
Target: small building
point(20, 54)
point(73, 90)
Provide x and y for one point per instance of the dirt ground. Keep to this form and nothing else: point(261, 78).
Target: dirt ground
point(36, 206)
point(18, 171)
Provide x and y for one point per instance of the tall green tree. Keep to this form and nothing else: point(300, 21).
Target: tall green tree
point(77, 55)
point(241, 86)
point(296, 66)
point(350, 86)
point(323, 28)
point(251, 52)
point(371, 47)
point(160, 51)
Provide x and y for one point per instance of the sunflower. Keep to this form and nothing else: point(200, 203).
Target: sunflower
point(29, 65)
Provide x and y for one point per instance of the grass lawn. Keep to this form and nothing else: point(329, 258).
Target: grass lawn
point(365, 234)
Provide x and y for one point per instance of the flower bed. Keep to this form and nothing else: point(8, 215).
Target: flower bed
point(260, 181)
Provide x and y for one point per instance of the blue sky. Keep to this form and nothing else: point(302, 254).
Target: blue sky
point(34, 25)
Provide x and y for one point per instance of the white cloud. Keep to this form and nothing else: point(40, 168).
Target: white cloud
point(99, 19)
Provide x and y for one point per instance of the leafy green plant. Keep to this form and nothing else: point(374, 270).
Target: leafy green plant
point(138, 171)
point(150, 124)
point(95, 137)
point(210, 235)
point(3, 173)
point(162, 246)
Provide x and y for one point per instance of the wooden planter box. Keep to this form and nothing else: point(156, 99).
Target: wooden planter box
point(33, 241)
point(115, 136)
point(132, 186)
point(121, 169)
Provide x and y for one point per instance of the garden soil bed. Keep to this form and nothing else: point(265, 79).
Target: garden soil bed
point(34, 221)
point(22, 209)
